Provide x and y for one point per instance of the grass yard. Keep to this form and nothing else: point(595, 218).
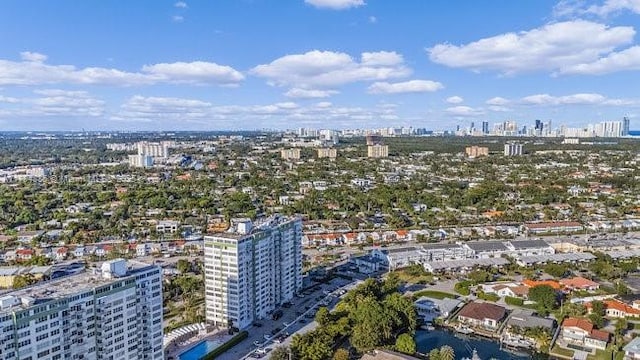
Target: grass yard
point(435, 294)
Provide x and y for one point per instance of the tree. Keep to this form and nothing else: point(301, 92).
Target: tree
point(183, 266)
point(406, 344)
point(323, 317)
point(555, 270)
point(597, 313)
point(434, 354)
point(20, 281)
point(545, 296)
point(447, 353)
point(621, 326)
point(280, 353)
point(340, 354)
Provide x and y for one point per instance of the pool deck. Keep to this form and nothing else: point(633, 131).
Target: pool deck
point(175, 350)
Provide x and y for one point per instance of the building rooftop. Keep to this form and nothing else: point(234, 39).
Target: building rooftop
point(633, 346)
point(480, 246)
point(529, 244)
point(62, 287)
point(526, 319)
point(481, 311)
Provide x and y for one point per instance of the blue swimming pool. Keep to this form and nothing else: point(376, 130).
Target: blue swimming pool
point(199, 350)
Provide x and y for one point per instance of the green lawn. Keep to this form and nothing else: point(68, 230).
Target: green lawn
point(413, 277)
point(601, 355)
point(435, 294)
point(562, 352)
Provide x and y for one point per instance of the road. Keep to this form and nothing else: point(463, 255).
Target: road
point(291, 316)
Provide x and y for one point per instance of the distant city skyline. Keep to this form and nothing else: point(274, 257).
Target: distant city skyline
point(326, 64)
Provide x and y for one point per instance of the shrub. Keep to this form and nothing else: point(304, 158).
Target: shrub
point(513, 301)
point(226, 346)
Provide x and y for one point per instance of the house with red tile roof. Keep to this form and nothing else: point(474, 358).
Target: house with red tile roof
point(24, 254)
point(581, 332)
point(579, 283)
point(616, 309)
point(532, 283)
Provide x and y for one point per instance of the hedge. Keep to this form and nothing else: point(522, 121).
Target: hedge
point(513, 301)
point(226, 346)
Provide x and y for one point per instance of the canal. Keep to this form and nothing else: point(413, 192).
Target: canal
point(463, 345)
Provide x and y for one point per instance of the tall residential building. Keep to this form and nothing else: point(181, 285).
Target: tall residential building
point(330, 153)
point(377, 151)
point(609, 129)
point(485, 127)
point(252, 269)
point(114, 312)
point(141, 160)
point(625, 126)
point(512, 149)
point(159, 150)
point(290, 154)
point(476, 151)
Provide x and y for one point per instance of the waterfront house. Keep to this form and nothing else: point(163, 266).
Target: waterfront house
point(616, 309)
point(632, 349)
point(430, 309)
point(581, 332)
point(386, 355)
point(520, 323)
point(482, 315)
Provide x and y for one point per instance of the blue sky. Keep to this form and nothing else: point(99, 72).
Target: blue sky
point(251, 64)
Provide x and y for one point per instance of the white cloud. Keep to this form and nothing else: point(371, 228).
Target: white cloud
point(498, 101)
point(412, 86)
point(197, 72)
point(141, 108)
point(575, 99)
point(323, 104)
point(33, 56)
point(551, 47)
point(335, 4)
point(329, 69)
point(373, 19)
point(8, 99)
point(464, 111)
point(177, 18)
point(309, 93)
point(614, 6)
point(181, 5)
point(498, 108)
point(32, 72)
point(625, 60)
point(455, 100)
point(55, 103)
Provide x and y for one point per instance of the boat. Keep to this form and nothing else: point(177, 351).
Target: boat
point(474, 356)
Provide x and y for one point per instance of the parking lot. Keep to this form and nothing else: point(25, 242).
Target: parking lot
point(267, 333)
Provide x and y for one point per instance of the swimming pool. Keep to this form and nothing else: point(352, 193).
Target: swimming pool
point(199, 350)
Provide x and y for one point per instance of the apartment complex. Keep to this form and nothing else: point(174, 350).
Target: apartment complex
point(330, 153)
point(290, 154)
point(377, 151)
point(251, 269)
point(158, 150)
point(512, 149)
point(476, 151)
point(114, 312)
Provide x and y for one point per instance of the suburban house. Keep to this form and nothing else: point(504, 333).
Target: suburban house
point(579, 283)
point(483, 315)
point(616, 309)
point(632, 349)
point(24, 254)
point(581, 332)
point(142, 250)
point(520, 320)
point(533, 283)
point(429, 309)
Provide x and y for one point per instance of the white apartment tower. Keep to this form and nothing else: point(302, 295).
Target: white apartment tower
point(512, 149)
point(252, 269)
point(110, 313)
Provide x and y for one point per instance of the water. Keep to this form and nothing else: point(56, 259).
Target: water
point(199, 350)
point(463, 345)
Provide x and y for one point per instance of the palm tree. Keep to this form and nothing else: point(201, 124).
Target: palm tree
point(447, 353)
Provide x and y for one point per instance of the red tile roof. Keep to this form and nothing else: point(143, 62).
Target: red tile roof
point(531, 283)
point(579, 283)
point(579, 323)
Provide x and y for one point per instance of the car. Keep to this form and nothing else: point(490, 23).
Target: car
point(256, 355)
point(275, 331)
point(300, 295)
point(266, 336)
point(302, 320)
point(257, 343)
point(257, 324)
point(261, 351)
point(277, 340)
